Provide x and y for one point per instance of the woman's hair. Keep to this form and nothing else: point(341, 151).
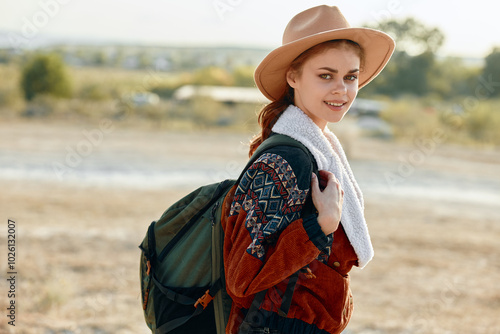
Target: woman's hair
point(270, 113)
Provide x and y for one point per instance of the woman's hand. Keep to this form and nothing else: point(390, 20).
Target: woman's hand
point(328, 201)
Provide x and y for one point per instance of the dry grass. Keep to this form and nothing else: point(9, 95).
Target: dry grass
point(436, 268)
point(78, 256)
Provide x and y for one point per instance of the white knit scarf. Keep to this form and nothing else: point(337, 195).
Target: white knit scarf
point(329, 155)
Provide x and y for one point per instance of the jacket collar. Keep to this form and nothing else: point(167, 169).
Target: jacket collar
point(330, 156)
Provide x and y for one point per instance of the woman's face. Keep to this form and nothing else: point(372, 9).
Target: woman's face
point(326, 85)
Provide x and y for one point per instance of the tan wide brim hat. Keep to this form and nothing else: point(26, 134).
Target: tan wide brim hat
point(314, 26)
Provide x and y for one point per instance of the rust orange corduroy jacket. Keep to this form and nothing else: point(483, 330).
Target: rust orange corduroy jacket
point(267, 240)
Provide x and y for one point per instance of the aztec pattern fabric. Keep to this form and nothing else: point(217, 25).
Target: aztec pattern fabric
point(270, 195)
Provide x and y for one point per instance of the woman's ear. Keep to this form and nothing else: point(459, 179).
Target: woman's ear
point(291, 77)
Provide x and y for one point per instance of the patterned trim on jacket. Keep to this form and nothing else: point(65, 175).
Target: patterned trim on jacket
point(261, 194)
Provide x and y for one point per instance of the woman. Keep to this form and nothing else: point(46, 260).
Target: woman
point(312, 79)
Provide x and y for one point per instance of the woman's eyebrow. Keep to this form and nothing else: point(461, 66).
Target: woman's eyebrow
point(354, 70)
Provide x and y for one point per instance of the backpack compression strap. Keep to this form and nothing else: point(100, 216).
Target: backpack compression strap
point(199, 304)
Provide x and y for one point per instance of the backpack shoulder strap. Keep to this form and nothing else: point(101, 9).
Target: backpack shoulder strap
point(276, 139)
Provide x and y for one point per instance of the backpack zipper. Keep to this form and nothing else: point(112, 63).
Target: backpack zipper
point(217, 271)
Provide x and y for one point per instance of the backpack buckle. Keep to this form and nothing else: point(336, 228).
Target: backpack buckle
point(204, 300)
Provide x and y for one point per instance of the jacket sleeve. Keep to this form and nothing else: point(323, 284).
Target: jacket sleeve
point(266, 239)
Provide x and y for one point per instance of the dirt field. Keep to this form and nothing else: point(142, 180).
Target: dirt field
point(434, 218)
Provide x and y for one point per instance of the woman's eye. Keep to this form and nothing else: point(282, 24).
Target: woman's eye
point(351, 77)
point(325, 76)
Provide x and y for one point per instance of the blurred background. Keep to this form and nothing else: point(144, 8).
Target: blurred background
point(112, 110)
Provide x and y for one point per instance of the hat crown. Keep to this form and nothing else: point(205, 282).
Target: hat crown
point(314, 21)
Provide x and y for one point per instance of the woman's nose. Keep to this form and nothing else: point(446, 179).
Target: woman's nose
point(339, 87)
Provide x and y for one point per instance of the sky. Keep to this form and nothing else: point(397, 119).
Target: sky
point(472, 28)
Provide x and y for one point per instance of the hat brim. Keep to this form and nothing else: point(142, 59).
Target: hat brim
point(270, 75)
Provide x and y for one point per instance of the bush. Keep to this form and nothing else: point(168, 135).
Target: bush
point(212, 76)
point(491, 68)
point(165, 91)
point(420, 118)
point(243, 76)
point(96, 92)
point(11, 96)
point(483, 122)
point(45, 74)
point(410, 118)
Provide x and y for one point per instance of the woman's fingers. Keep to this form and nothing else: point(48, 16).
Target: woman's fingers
point(327, 201)
point(333, 183)
point(327, 179)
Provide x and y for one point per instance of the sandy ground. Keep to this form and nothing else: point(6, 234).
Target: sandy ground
point(436, 267)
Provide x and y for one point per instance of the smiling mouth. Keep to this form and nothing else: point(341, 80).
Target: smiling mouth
point(335, 104)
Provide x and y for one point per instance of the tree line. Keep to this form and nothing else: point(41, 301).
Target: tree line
point(415, 69)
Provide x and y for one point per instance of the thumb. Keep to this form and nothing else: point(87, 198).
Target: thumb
point(314, 183)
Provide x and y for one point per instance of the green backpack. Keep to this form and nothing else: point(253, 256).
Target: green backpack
point(181, 266)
